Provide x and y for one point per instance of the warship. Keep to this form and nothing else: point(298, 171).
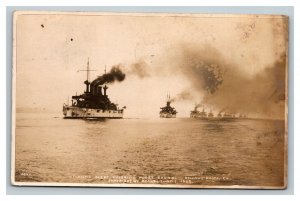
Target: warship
point(210, 115)
point(167, 111)
point(229, 116)
point(200, 115)
point(226, 116)
point(242, 116)
point(94, 102)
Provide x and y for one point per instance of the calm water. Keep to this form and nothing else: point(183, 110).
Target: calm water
point(164, 151)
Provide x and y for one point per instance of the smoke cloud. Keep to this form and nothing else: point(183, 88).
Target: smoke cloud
point(224, 85)
point(221, 83)
point(115, 74)
point(140, 68)
point(183, 96)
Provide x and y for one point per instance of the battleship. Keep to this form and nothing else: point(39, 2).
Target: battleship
point(168, 111)
point(200, 115)
point(94, 102)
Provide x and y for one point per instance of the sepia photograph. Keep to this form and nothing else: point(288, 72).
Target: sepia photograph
point(162, 100)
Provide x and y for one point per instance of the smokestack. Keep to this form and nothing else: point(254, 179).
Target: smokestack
point(95, 90)
point(92, 88)
point(168, 103)
point(99, 91)
point(87, 85)
point(105, 88)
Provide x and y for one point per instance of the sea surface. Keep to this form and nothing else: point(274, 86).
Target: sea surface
point(178, 151)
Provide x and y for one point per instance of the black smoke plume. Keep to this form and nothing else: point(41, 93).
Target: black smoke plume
point(220, 82)
point(224, 85)
point(115, 74)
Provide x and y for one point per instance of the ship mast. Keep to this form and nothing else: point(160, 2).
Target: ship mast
point(168, 97)
point(87, 75)
point(105, 87)
point(88, 70)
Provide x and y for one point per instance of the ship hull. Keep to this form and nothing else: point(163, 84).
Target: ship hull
point(167, 115)
point(215, 118)
point(71, 112)
point(198, 117)
point(212, 118)
point(228, 118)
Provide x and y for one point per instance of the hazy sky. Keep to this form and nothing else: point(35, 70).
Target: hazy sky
point(52, 48)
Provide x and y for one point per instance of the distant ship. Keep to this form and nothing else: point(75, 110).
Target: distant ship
point(94, 102)
point(168, 111)
point(200, 115)
point(229, 116)
point(210, 115)
point(242, 116)
point(226, 116)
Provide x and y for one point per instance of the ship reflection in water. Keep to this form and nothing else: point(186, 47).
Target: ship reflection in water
point(245, 151)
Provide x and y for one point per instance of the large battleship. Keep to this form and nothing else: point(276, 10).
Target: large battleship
point(168, 111)
point(94, 102)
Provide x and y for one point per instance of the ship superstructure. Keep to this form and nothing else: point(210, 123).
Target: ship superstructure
point(94, 102)
point(168, 111)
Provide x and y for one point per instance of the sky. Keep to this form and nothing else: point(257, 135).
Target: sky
point(52, 47)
